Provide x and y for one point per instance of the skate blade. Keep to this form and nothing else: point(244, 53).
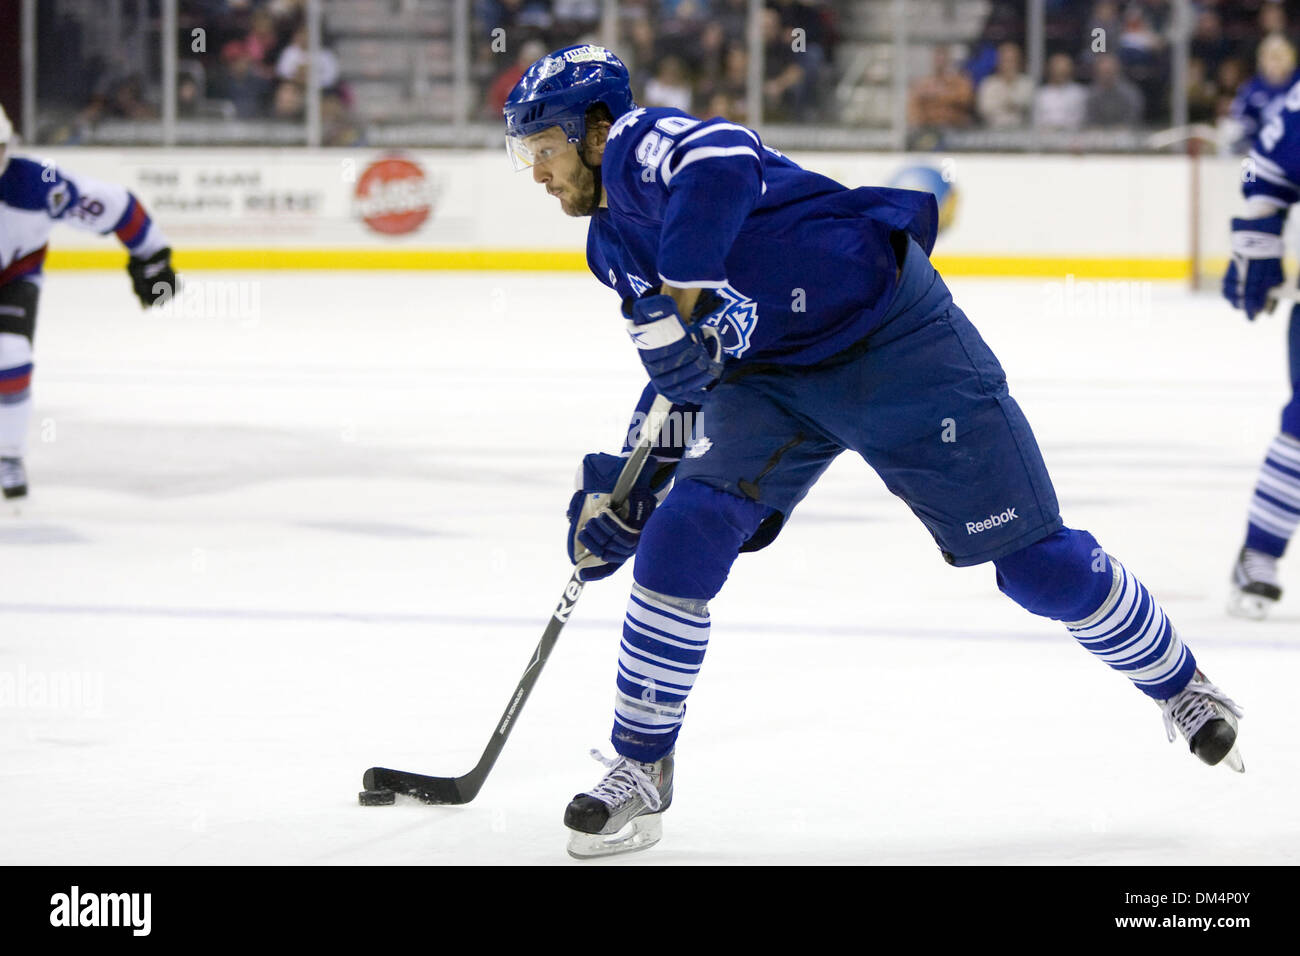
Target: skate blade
point(1232, 760)
point(1252, 607)
point(640, 833)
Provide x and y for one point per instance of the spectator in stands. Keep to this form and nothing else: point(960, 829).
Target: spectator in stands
point(804, 22)
point(1260, 98)
point(1061, 103)
point(682, 10)
point(1144, 54)
point(709, 58)
point(1005, 23)
point(1102, 30)
point(676, 30)
point(943, 98)
point(1202, 93)
point(529, 52)
point(1240, 23)
point(784, 79)
point(287, 12)
point(1229, 77)
point(733, 15)
point(670, 85)
point(643, 50)
point(725, 96)
point(119, 94)
point(338, 126)
point(729, 98)
point(720, 104)
point(516, 17)
point(1272, 19)
point(262, 44)
point(1064, 25)
point(243, 83)
point(1209, 45)
point(1112, 100)
point(574, 17)
point(288, 103)
point(189, 96)
point(1146, 22)
point(809, 16)
point(292, 64)
point(1004, 98)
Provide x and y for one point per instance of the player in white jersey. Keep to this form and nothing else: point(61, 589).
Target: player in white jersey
point(33, 198)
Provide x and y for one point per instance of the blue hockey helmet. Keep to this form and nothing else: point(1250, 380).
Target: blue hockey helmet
point(558, 89)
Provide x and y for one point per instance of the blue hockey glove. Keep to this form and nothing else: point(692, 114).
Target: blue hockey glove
point(600, 540)
point(683, 360)
point(1256, 265)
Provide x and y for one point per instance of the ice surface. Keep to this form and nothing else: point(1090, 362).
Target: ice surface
point(266, 551)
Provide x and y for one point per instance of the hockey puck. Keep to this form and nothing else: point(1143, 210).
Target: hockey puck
point(376, 798)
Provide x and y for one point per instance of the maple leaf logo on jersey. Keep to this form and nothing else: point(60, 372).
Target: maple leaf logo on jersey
point(624, 122)
point(735, 320)
point(699, 447)
point(639, 285)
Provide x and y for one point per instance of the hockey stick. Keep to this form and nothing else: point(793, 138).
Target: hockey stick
point(458, 790)
point(1275, 299)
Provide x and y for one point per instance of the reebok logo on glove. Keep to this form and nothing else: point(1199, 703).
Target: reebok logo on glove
point(681, 365)
point(662, 330)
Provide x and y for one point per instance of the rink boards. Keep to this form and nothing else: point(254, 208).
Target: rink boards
point(1096, 217)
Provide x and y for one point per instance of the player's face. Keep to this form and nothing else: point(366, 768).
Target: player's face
point(558, 167)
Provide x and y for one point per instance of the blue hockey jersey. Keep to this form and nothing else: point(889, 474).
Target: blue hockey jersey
point(1271, 172)
point(1257, 102)
point(804, 264)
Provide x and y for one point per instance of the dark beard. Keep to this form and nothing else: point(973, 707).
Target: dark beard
point(588, 200)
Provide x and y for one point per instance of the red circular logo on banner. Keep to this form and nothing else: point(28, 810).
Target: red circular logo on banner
point(394, 196)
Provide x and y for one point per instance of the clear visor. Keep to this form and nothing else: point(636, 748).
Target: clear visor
point(527, 151)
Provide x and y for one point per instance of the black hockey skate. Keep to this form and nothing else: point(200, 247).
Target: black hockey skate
point(1254, 585)
point(13, 478)
point(1207, 718)
point(624, 811)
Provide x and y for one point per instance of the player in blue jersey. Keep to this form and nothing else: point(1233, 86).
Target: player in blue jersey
point(1260, 98)
point(1271, 185)
point(799, 319)
point(34, 197)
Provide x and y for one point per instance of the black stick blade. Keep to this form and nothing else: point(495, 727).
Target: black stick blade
point(445, 791)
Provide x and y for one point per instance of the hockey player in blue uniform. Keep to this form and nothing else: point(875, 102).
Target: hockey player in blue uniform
point(1260, 98)
point(1270, 187)
point(800, 319)
point(33, 198)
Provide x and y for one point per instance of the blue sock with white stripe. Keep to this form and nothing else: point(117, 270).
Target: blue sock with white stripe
point(1069, 577)
point(1275, 505)
point(1131, 633)
point(664, 639)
